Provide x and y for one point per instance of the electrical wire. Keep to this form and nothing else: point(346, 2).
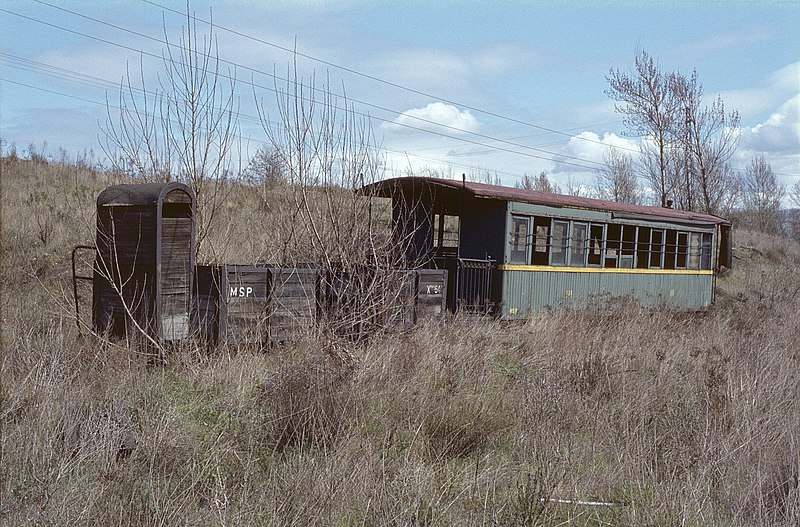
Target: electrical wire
point(563, 157)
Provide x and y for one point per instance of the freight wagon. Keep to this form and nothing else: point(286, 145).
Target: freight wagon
point(146, 286)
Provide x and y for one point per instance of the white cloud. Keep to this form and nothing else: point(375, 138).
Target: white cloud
point(588, 148)
point(777, 139)
point(752, 103)
point(436, 116)
point(780, 133)
point(787, 77)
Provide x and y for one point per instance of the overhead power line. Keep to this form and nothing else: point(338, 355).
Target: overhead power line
point(376, 78)
point(105, 104)
point(561, 158)
point(361, 102)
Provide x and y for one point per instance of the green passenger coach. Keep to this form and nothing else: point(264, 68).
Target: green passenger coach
point(512, 251)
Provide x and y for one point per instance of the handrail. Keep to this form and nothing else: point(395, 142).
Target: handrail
point(76, 277)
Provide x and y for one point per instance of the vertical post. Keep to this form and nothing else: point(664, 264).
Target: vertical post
point(459, 270)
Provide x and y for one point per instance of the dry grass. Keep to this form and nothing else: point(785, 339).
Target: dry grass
point(675, 418)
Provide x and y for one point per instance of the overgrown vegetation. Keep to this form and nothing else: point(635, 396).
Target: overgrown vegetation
point(653, 417)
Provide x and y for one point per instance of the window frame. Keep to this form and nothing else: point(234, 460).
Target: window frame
point(517, 240)
point(573, 256)
point(564, 245)
point(706, 251)
point(695, 251)
point(568, 242)
point(657, 250)
point(540, 252)
point(596, 260)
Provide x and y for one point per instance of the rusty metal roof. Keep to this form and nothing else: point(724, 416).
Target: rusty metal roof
point(390, 187)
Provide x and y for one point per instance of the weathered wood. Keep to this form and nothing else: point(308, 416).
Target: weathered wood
point(145, 260)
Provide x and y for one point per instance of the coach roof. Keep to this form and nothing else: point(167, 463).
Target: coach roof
point(390, 187)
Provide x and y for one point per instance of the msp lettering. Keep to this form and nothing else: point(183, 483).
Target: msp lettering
point(241, 292)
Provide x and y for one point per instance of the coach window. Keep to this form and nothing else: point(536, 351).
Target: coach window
point(683, 250)
point(580, 240)
point(705, 255)
point(694, 250)
point(595, 256)
point(445, 234)
point(520, 229)
point(628, 252)
point(541, 249)
point(558, 246)
point(613, 244)
point(670, 249)
point(656, 248)
point(643, 248)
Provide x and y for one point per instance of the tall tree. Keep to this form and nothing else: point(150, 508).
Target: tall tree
point(762, 195)
point(710, 136)
point(617, 181)
point(646, 100)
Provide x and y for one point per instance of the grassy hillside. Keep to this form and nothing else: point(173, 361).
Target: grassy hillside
point(669, 418)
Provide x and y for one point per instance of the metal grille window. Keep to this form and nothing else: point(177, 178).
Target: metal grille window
point(670, 249)
point(643, 248)
point(613, 244)
point(628, 251)
point(656, 248)
point(683, 250)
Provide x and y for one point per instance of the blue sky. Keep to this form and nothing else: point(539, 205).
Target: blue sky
point(531, 74)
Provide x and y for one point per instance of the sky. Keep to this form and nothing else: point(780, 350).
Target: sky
point(507, 88)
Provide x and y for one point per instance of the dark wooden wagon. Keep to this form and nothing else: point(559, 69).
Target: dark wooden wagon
point(145, 259)
point(146, 286)
point(244, 305)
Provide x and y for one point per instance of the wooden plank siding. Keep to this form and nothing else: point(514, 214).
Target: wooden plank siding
point(145, 260)
point(255, 306)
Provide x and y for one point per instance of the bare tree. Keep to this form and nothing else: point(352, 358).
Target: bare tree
point(762, 196)
point(794, 193)
point(265, 172)
point(329, 154)
point(710, 136)
point(183, 129)
point(649, 106)
point(794, 198)
point(576, 188)
point(484, 176)
point(540, 183)
point(617, 181)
